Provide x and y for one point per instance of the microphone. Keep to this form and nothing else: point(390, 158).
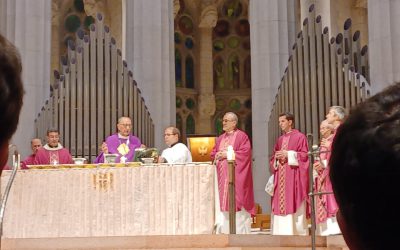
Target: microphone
point(16, 161)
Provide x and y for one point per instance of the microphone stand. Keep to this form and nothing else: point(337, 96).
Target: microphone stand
point(311, 155)
point(16, 165)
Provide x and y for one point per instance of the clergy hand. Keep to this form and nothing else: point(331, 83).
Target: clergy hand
point(318, 166)
point(143, 146)
point(281, 155)
point(104, 148)
point(162, 160)
point(220, 155)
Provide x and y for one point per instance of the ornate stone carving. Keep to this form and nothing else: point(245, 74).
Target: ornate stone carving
point(206, 104)
point(92, 7)
point(177, 7)
point(55, 13)
point(209, 17)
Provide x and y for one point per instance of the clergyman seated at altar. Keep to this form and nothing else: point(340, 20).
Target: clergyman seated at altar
point(53, 152)
point(176, 152)
point(123, 143)
point(36, 144)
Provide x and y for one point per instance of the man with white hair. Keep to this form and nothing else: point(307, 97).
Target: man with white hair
point(326, 206)
point(244, 193)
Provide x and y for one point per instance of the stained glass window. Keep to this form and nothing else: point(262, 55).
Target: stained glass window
point(179, 122)
point(190, 125)
point(234, 71)
point(219, 81)
point(178, 68)
point(190, 104)
point(189, 72)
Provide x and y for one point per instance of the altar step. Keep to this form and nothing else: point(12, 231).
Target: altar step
point(190, 242)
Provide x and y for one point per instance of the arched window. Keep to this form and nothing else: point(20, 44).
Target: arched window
point(190, 125)
point(219, 78)
point(189, 72)
point(178, 68)
point(179, 124)
point(234, 71)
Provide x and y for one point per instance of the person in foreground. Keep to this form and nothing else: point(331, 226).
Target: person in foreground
point(176, 152)
point(245, 206)
point(325, 204)
point(122, 143)
point(53, 152)
point(11, 94)
point(36, 144)
point(289, 164)
point(365, 172)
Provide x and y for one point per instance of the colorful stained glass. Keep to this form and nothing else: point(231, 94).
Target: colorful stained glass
point(186, 25)
point(220, 104)
point(218, 125)
point(79, 5)
point(178, 102)
point(219, 79)
point(233, 42)
point(179, 123)
point(190, 125)
point(88, 21)
point(177, 38)
point(222, 28)
point(189, 43)
point(72, 23)
point(190, 104)
point(232, 8)
point(242, 27)
point(189, 72)
point(233, 71)
point(218, 45)
point(235, 104)
point(178, 69)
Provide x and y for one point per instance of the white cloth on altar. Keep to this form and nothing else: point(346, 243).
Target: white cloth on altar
point(243, 218)
point(291, 224)
point(178, 153)
point(329, 227)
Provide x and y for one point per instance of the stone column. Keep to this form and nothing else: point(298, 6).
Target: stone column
point(206, 108)
point(149, 51)
point(270, 42)
point(27, 24)
point(384, 43)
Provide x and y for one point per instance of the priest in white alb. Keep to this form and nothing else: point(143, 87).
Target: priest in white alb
point(176, 152)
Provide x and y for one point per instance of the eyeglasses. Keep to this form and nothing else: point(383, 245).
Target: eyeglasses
point(226, 120)
point(169, 134)
point(126, 125)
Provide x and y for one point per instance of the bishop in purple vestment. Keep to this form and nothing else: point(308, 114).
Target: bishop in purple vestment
point(122, 143)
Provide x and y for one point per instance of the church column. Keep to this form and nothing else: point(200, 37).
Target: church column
point(149, 51)
point(271, 39)
point(206, 107)
point(27, 24)
point(384, 43)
